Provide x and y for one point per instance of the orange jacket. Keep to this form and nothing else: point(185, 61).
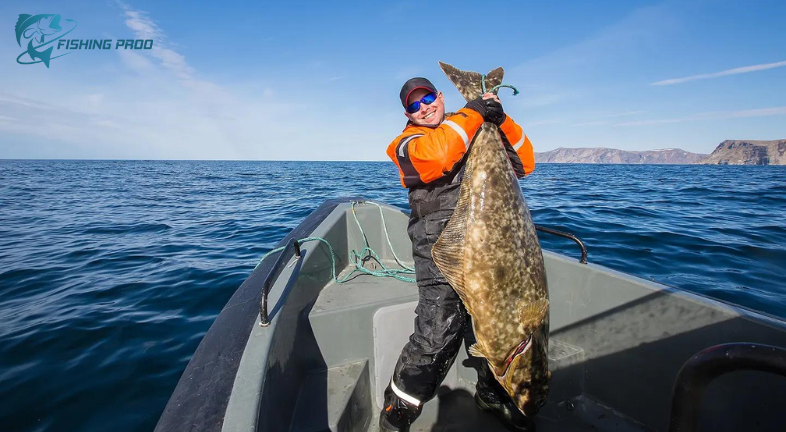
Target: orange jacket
point(424, 154)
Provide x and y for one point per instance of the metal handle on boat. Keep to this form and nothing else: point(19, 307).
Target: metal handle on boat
point(702, 368)
point(264, 319)
point(578, 241)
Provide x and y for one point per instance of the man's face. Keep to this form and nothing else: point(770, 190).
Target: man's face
point(428, 115)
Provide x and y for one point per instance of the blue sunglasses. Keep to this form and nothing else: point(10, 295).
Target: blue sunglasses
point(427, 99)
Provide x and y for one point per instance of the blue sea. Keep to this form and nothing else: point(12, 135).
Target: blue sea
point(111, 272)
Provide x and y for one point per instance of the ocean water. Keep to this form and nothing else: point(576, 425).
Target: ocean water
point(111, 272)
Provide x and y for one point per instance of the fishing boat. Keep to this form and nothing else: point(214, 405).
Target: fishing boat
point(302, 347)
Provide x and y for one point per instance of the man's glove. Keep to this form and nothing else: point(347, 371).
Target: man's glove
point(494, 112)
point(478, 105)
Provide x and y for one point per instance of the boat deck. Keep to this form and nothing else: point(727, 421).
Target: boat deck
point(376, 314)
point(455, 410)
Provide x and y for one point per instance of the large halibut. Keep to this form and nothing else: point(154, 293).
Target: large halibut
point(490, 254)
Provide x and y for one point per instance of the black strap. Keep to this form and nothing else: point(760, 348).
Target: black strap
point(411, 175)
point(515, 160)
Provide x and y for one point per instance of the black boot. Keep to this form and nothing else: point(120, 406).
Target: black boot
point(503, 408)
point(397, 415)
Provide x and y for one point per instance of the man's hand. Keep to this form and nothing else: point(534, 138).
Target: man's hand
point(491, 96)
point(478, 105)
point(494, 112)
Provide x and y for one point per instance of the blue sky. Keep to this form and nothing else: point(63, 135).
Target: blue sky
point(316, 80)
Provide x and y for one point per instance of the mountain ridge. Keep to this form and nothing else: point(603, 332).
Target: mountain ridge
point(748, 152)
point(729, 152)
point(604, 155)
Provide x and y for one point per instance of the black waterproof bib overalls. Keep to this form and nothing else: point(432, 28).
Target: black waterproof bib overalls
point(442, 321)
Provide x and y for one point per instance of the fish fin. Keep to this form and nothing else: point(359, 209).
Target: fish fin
point(449, 250)
point(20, 27)
point(22, 19)
point(533, 315)
point(475, 351)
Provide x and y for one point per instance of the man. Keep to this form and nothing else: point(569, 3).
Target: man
point(430, 154)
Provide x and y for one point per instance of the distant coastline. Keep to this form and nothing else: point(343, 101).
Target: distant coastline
point(602, 155)
point(729, 152)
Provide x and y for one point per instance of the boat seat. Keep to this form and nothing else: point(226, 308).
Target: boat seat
point(341, 318)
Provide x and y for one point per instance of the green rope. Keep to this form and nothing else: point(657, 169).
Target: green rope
point(356, 258)
point(496, 88)
point(387, 236)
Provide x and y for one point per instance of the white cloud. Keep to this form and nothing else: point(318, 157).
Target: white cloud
point(539, 100)
point(154, 104)
point(590, 123)
point(622, 114)
point(10, 99)
point(620, 41)
point(654, 122)
point(543, 122)
point(713, 115)
point(735, 71)
point(145, 28)
point(602, 120)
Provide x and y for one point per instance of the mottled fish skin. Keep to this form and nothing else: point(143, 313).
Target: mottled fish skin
point(490, 253)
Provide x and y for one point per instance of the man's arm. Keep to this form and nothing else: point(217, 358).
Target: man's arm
point(518, 147)
point(423, 157)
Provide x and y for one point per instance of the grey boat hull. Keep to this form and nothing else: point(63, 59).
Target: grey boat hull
point(617, 344)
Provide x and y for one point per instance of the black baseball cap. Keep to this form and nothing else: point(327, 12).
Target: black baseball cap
point(413, 84)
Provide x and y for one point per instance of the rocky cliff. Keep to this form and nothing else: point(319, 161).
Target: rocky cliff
point(738, 152)
point(614, 156)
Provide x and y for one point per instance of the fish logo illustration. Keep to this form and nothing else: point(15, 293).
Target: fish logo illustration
point(41, 30)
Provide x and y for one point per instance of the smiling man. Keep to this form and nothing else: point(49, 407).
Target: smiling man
point(430, 154)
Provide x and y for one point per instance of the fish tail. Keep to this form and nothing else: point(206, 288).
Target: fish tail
point(45, 56)
point(471, 84)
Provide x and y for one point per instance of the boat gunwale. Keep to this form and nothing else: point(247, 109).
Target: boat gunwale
point(202, 394)
point(697, 297)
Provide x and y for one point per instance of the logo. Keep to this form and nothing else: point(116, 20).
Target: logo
point(41, 30)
